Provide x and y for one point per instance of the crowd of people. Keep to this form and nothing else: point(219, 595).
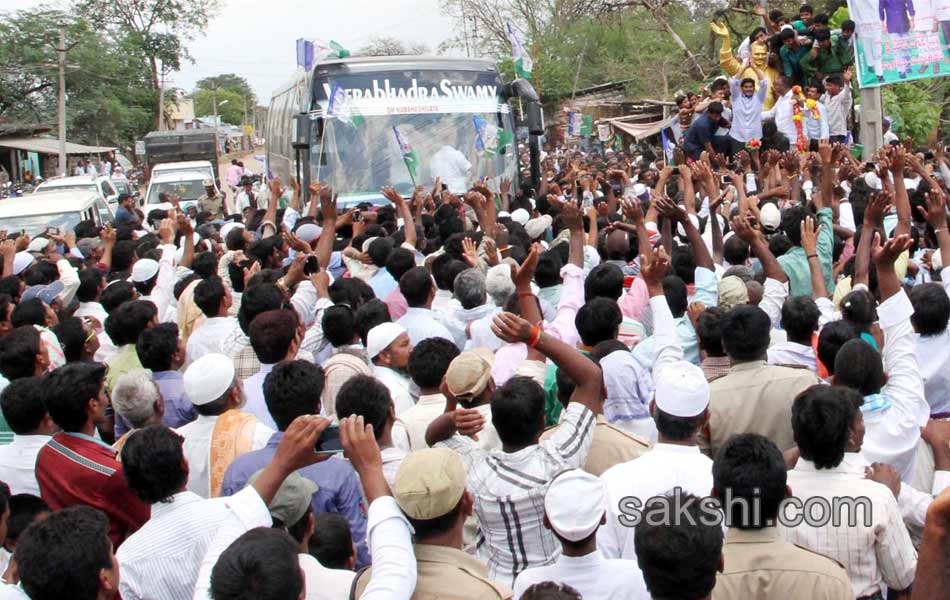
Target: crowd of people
point(620, 384)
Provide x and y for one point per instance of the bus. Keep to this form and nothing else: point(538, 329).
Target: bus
point(439, 107)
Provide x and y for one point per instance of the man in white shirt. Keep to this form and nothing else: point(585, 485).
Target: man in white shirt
point(800, 317)
point(22, 405)
point(837, 98)
point(869, 539)
point(781, 112)
point(452, 167)
point(160, 561)
point(894, 406)
point(214, 300)
point(428, 363)
point(366, 397)
point(747, 109)
point(275, 337)
point(222, 432)
point(420, 321)
point(679, 408)
point(388, 347)
point(574, 508)
point(930, 318)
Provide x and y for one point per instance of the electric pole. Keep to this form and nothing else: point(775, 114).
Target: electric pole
point(61, 50)
point(214, 107)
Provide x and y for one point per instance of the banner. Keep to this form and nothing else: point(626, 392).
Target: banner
point(900, 40)
point(575, 121)
point(340, 107)
point(489, 138)
point(604, 133)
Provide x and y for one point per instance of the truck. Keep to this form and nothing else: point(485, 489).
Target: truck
point(181, 146)
point(401, 121)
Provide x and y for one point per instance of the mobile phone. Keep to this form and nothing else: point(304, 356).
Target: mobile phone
point(357, 216)
point(311, 266)
point(52, 231)
point(329, 442)
point(725, 179)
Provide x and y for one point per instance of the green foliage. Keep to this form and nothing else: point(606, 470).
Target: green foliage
point(110, 98)
point(916, 112)
point(229, 82)
point(840, 16)
point(232, 111)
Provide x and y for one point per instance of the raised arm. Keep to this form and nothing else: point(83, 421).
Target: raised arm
point(400, 203)
point(270, 215)
point(901, 199)
point(673, 212)
point(810, 245)
point(873, 218)
point(936, 215)
point(328, 209)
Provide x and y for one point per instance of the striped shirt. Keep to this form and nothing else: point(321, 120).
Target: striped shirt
point(876, 557)
point(509, 493)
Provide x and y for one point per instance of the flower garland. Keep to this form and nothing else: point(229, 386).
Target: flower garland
point(753, 145)
point(802, 142)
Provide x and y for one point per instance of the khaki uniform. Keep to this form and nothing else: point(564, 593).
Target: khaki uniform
point(611, 446)
point(445, 573)
point(215, 205)
point(758, 564)
point(754, 397)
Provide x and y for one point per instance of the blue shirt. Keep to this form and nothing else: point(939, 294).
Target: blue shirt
point(178, 408)
point(699, 134)
point(383, 283)
point(338, 489)
point(124, 215)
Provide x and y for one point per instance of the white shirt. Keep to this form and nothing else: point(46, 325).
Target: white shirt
point(782, 113)
point(12, 592)
point(197, 449)
point(655, 473)
point(209, 337)
point(254, 394)
point(792, 353)
point(409, 430)
point(398, 387)
point(160, 561)
point(323, 583)
point(421, 324)
point(891, 435)
point(592, 575)
point(747, 112)
point(452, 166)
point(933, 359)
point(392, 458)
point(92, 309)
point(388, 532)
point(18, 463)
point(874, 556)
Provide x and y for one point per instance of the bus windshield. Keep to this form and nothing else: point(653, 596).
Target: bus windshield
point(457, 126)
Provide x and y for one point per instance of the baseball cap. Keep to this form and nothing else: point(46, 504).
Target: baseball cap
point(46, 293)
point(380, 337)
point(429, 483)
point(469, 372)
point(144, 269)
point(208, 378)
point(292, 498)
point(680, 389)
point(575, 503)
point(770, 217)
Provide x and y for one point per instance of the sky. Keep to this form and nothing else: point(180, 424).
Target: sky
point(256, 39)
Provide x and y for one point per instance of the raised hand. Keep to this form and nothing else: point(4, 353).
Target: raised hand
point(511, 328)
point(654, 266)
point(745, 231)
point(470, 252)
point(877, 205)
point(525, 273)
point(393, 196)
point(670, 209)
point(888, 253)
point(809, 235)
point(936, 211)
point(632, 210)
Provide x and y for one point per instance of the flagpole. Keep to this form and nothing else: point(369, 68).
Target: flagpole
point(323, 132)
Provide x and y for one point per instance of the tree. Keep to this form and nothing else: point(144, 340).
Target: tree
point(232, 83)
point(389, 46)
point(918, 116)
point(155, 27)
point(230, 105)
point(109, 99)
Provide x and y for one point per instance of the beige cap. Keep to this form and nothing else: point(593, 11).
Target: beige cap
point(469, 372)
point(429, 483)
point(292, 498)
point(732, 292)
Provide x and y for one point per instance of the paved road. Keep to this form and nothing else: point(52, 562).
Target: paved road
point(250, 163)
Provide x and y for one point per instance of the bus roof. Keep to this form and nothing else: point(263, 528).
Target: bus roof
point(397, 63)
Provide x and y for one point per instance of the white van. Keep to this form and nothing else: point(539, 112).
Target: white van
point(63, 210)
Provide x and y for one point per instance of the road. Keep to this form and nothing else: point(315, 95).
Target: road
point(250, 163)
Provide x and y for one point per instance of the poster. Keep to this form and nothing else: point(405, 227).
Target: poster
point(900, 40)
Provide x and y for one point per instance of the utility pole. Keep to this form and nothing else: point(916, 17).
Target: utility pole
point(214, 107)
point(871, 129)
point(61, 50)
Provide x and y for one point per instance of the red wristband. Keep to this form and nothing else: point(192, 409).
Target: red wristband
point(525, 294)
point(535, 336)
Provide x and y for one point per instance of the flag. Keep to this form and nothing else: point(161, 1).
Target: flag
point(575, 123)
point(667, 146)
point(408, 154)
point(587, 125)
point(342, 108)
point(311, 51)
point(519, 56)
point(489, 138)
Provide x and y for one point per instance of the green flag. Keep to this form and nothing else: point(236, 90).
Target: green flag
point(519, 56)
point(409, 155)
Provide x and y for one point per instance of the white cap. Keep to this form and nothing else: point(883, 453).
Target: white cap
point(770, 216)
point(21, 261)
point(639, 189)
point(144, 269)
point(536, 227)
point(208, 183)
point(575, 503)
point(38, 244)
point(520, 216)
point(227, 227)
point(873, 181)
point(680, 389)
point(503, 213)
point(380, 337)
point(208, 378)
point(308, 232)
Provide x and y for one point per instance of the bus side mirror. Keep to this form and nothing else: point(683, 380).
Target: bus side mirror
point(301, 137)
point(534, 118)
